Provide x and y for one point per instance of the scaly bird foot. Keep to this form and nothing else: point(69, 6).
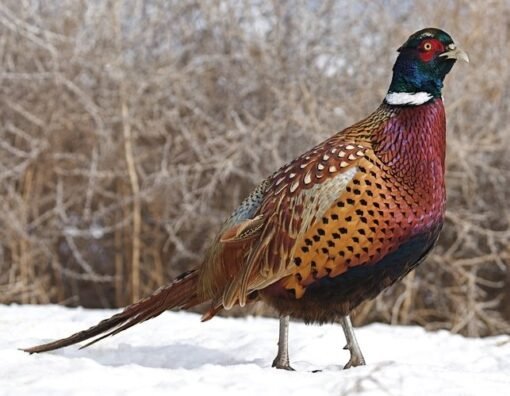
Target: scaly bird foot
point(282, 363)
point(356, 358)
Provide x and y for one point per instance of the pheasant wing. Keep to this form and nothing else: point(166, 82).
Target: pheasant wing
point(295, 201)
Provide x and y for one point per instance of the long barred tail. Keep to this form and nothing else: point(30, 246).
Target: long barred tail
point(182, 293)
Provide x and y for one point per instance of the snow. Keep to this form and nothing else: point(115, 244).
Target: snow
point(176, 354)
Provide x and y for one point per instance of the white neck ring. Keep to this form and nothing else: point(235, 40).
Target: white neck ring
point(407, 98)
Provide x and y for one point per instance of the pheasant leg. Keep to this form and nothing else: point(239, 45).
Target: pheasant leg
point(281, 361)
point(356, 358)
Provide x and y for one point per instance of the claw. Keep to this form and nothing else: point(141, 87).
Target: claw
point(354, 361)
point(356, 358)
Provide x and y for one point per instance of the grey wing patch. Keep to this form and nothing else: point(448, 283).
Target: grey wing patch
point(249, 207)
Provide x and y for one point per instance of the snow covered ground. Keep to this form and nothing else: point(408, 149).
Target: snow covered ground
point(175, 354)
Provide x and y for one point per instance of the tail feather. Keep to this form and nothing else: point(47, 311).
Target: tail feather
point(182, 293)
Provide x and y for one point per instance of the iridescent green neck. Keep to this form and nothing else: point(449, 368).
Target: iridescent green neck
point(409, 77)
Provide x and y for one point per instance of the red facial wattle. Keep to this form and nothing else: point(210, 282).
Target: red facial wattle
point(429, 49)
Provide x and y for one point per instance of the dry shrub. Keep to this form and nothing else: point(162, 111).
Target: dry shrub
point(130, 129)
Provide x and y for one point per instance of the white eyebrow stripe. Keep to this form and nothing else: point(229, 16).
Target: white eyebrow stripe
point(426, 34)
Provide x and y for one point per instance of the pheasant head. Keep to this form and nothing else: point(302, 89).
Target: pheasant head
point(423, 62)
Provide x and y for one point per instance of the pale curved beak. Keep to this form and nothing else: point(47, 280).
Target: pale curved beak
point(457, 54)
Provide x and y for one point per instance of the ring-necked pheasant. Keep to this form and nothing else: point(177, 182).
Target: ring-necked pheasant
point(337, 225)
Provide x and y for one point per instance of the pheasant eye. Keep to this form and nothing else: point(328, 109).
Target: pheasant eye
point(427, 46)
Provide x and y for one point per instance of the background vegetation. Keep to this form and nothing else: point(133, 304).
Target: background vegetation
point(130, 129)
